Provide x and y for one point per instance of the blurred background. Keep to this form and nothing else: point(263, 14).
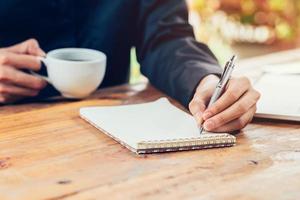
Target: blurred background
point(247, 28)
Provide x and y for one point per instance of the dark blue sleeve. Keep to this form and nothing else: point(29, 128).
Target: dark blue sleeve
point(169, 55)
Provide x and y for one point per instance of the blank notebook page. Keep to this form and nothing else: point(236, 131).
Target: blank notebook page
point(158, 120)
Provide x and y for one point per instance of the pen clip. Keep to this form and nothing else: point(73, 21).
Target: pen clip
point(225, 70)
point(230, 64)
point(224, 74)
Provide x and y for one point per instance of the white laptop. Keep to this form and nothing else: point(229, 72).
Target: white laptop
point(279, 86)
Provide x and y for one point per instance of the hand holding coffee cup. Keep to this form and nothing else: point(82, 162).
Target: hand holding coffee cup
point(15, 83)
point(75, 72)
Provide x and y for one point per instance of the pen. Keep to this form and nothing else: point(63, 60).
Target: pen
point(222, 83)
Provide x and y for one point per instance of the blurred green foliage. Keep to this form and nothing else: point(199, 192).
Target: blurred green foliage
point(135, 74)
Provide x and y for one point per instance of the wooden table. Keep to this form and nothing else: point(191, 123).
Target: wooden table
point(48, 152)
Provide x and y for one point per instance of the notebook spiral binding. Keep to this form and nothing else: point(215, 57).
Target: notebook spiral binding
point(204, 142)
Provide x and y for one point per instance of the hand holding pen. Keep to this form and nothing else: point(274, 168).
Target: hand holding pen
point(228, 107)
point(222, 84)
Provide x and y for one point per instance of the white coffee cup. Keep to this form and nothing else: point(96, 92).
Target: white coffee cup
point(75, 72)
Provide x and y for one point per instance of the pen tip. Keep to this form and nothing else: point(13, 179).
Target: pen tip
point(233, 58)
point(201, 130)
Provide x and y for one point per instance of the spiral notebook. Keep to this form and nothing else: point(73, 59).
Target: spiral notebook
point(153, 127)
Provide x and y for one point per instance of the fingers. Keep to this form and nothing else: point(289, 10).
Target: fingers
point(30, 46)
point(247, 101)
point(198, 103)
point(203, 93)
point(6, 98)
point(10, 75)
point(14, 83)
point(20, 61)
point(197, 107)
point(236, 88)
point(6, 90)
point(235, 108)
point(239, 123)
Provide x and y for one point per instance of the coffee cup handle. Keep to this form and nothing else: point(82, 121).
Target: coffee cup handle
point(43, 60)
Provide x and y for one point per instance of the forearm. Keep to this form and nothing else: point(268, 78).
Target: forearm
point(170, 56)
point(178, 66)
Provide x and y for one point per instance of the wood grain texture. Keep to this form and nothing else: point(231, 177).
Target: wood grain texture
point(48, 152)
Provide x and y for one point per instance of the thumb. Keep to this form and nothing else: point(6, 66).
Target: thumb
point(34, 48)
point(202, 96)
point(197, 107)
point(30, 47)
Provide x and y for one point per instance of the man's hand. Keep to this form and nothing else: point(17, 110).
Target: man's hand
point(232, 111)
point(14, 83)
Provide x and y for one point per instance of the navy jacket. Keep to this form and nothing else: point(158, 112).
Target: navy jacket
point(167, 51)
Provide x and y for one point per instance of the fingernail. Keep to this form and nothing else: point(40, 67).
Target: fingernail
point(209, 125)
point(39, 58)
point(40, 52)
point(199, 118)
point(43, 54)
point(207, 115)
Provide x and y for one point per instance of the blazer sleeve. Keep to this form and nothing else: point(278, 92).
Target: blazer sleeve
point(169, 55)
